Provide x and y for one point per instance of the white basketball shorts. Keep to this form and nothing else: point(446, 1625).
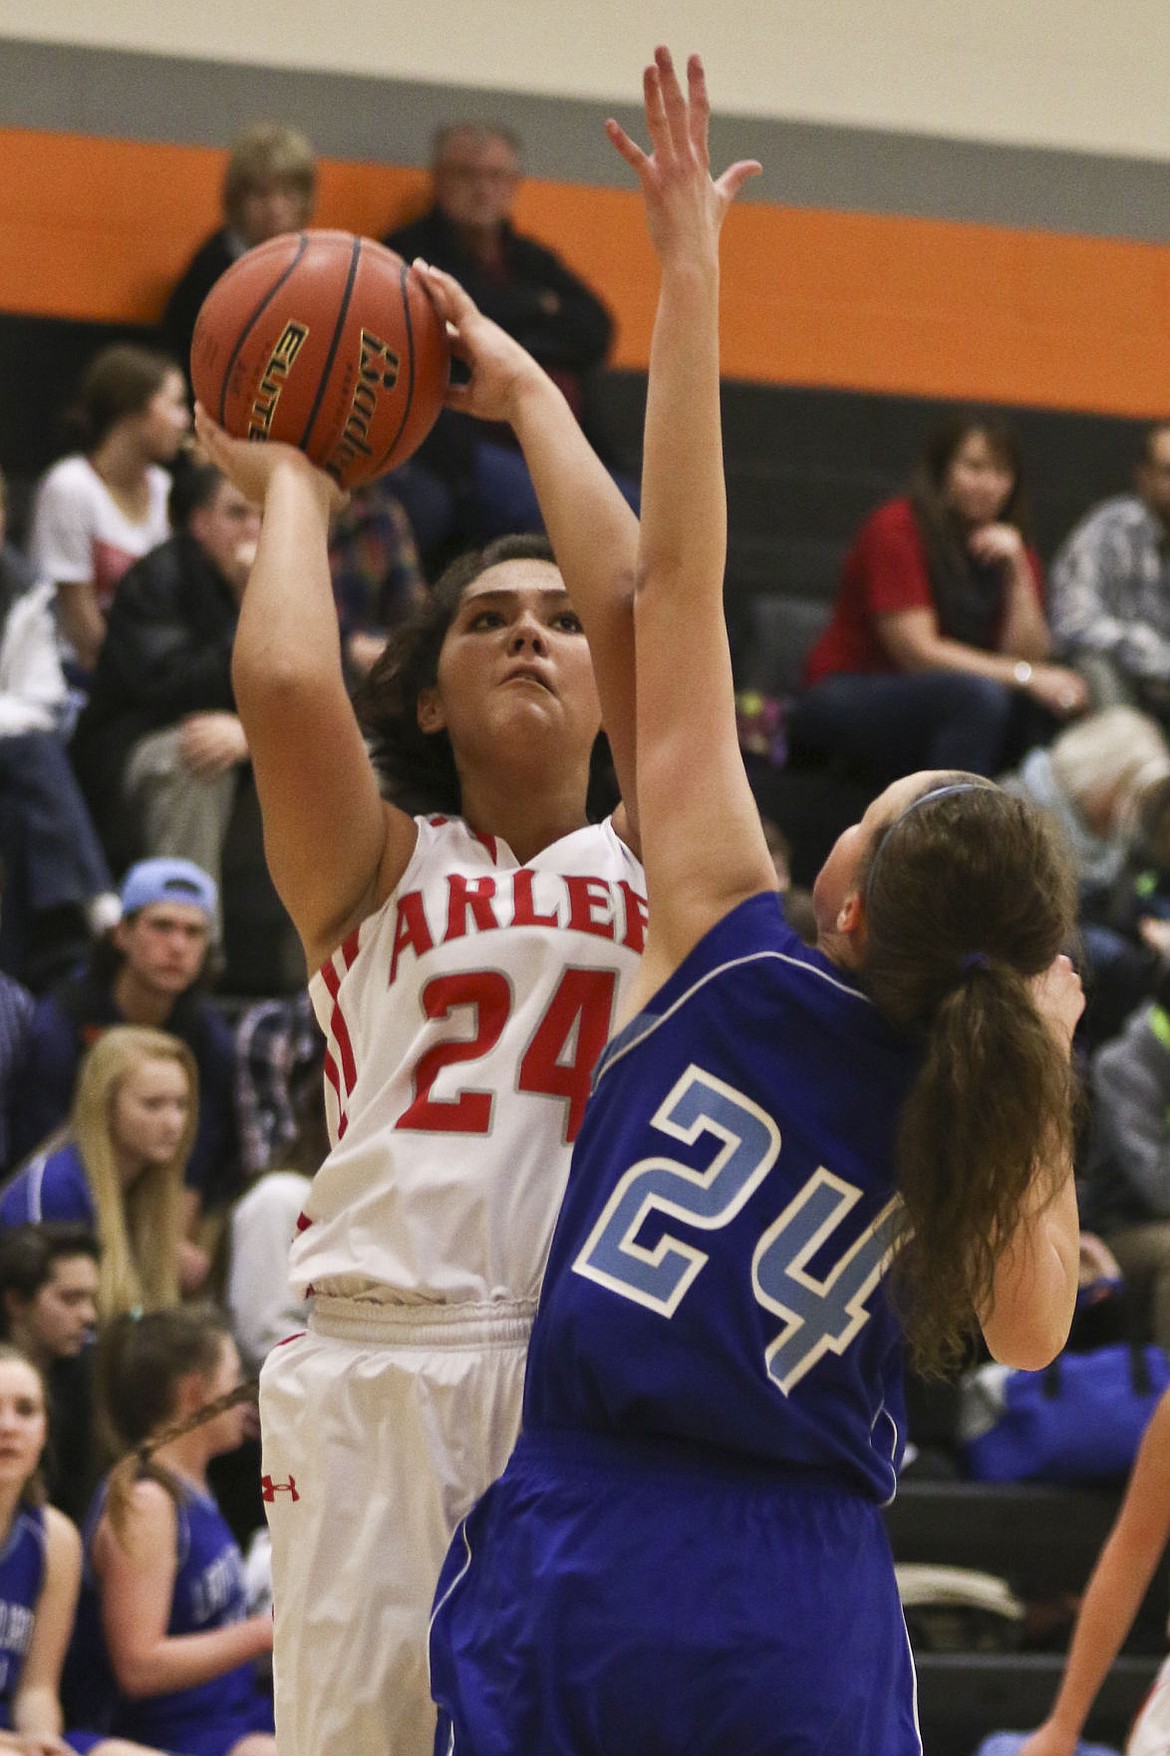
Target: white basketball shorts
point(381, 1426)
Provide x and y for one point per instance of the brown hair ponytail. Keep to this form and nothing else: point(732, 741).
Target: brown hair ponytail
point(140, 1362)
point(969, 894)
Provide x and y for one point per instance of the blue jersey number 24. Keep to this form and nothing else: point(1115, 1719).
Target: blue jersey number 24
point(821, 1314)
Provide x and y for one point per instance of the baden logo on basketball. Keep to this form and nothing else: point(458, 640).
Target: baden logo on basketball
point(292, 339)
point(378, 365)
point(327, 341)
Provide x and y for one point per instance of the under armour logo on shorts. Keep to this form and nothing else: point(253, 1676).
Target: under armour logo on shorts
point(270, 1489)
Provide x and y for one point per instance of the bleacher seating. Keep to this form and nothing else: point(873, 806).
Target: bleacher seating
point(803, 468)
point(1044, 1542)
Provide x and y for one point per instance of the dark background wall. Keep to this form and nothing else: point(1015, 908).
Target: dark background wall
point(871, 279)
point(804, 465)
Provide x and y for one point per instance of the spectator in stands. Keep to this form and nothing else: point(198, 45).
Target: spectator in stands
point(377, 575)
point(48, 1309)
point(280, 1061)
point(261, 1304)
point(1111, 589)
point(263, 1224)
point(269, 187)
point(525, 288)
point(1127, 1171)
point(55, 874)
point(163, 1616)
point(937, 654)
point(798, 902)
point(105, 504)
point(159, 747)
point(1106, 780)
point(40, 1566)
point(49, 1290)
point(1096, 778)
point(16, 1016)
point(146, 973)
point(117, 1167)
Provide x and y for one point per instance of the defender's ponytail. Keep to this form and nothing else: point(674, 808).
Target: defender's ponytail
point(969, 895)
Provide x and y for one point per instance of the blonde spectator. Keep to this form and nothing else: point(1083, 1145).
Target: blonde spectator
point(117, 1166)
point(1098, 779)
point(269, 187)
point(1106, 780)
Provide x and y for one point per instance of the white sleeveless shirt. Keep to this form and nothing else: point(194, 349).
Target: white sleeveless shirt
point(463, 1020)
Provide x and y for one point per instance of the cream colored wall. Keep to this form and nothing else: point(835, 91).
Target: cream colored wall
point(1060, 73)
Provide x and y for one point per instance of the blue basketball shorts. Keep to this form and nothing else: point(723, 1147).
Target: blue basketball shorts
point(617, 1596)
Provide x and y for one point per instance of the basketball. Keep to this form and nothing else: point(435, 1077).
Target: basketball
point(329, 342)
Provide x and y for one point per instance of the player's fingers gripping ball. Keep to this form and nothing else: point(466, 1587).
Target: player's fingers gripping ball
point(326, 341)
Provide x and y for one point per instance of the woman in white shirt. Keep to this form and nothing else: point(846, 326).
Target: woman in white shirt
point(105, 504)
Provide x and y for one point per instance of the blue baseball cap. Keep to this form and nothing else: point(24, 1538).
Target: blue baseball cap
point(169, 880)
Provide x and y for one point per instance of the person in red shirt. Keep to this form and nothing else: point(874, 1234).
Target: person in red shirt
point(937, 651)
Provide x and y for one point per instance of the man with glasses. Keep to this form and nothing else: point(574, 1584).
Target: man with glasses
point(476, 175)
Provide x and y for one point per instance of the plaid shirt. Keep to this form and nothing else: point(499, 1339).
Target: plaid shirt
point(373, 560)
point(1110, 590)
point(279, 1054)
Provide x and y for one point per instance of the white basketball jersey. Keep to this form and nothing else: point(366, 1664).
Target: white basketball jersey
point(463, 1020)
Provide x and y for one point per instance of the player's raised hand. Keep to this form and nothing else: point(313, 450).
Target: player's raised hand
point(499, 366)
point(685, 206)
point(1059, 998)
point(1050, 1740)
point(252, 465)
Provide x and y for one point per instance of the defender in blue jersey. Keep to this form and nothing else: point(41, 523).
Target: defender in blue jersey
point(790, 1159)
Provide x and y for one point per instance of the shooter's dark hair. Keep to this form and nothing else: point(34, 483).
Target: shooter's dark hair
point(416, 768)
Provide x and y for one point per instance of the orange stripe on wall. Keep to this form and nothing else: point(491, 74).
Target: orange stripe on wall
point(99, 229)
